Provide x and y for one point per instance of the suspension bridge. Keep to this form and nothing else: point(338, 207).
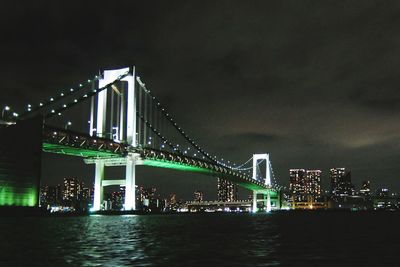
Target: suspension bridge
point(125, 125)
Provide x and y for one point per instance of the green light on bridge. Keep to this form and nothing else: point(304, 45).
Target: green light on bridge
point(185, 167)
point(78, 152)
point(175, 166)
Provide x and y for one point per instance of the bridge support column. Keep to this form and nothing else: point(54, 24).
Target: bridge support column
point(269, 208)
point(130, 186)
point(254, 209)
point(98, 185)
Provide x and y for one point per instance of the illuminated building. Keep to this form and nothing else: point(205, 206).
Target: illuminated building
point(172, 199)
point(87, 194)
point(297, 184)
point(313, 183)
point(382, 192)
point(384, 200)
point(72, 192)
point(149, 195)
point(366, 188)
point(344, 187)
point(336, 175)
point(117, 199)
point(48, 196)
point(305, 189)
point(226, 191)
point(72, 189)
point(148, 200)
point(198, 196)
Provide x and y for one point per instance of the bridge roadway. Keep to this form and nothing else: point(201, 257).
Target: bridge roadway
point(62, 141)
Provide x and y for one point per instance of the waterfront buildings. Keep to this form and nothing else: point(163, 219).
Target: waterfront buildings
point(341, 182)
point(313, 183)
point(71, 194)
point(305, 190)
point(198, 196)
point(305, 185)
point(226, 191)
point(365, 188)
point(297, 185)
point(304, 193)
point(73, 189)
point(336, 174)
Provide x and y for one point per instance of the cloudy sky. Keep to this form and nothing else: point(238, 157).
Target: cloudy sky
point(314, 83)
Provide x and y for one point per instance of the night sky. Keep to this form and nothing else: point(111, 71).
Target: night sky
point(313, 83)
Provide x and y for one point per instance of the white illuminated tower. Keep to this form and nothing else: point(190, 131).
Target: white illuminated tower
point(267, 179)
point(125, 130)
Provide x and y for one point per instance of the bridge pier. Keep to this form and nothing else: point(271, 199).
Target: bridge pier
point(130, 184)
point(254, 208)
point(269, 208)
point(98, 184)
point(266, 199)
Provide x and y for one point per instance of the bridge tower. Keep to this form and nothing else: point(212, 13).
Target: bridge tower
point(117, 105)
point(267, 180)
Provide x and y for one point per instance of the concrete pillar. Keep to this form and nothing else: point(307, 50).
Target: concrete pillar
point(254, 209)
point(269, 208)
point(130, 194)
point(98, 187)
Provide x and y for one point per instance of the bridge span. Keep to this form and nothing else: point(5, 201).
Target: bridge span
point(129, 127)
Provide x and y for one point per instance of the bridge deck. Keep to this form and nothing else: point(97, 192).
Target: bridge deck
point(65, 142)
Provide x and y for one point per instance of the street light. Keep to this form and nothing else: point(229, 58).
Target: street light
point(68, 124)
point(6, 108)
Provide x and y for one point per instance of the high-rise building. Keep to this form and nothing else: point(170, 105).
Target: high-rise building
point(48, 196)
point(297, 184)
point(341, 182)
point(345, 187)
point(305, 184)
point(336, 175)
point(227, 191)
point(72, 193)
point(198, 196)
point(313, 183)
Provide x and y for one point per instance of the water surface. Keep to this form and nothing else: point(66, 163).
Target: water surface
point(278, 239)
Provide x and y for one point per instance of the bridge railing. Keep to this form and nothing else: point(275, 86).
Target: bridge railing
point(215, 168)
point(57, 136)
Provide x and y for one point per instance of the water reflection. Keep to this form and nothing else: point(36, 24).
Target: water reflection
point(200, 240)
point(157, 240)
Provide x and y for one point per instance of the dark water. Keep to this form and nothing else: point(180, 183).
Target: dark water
point(284, 239)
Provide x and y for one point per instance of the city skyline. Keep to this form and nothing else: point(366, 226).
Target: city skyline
point(227, 191)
